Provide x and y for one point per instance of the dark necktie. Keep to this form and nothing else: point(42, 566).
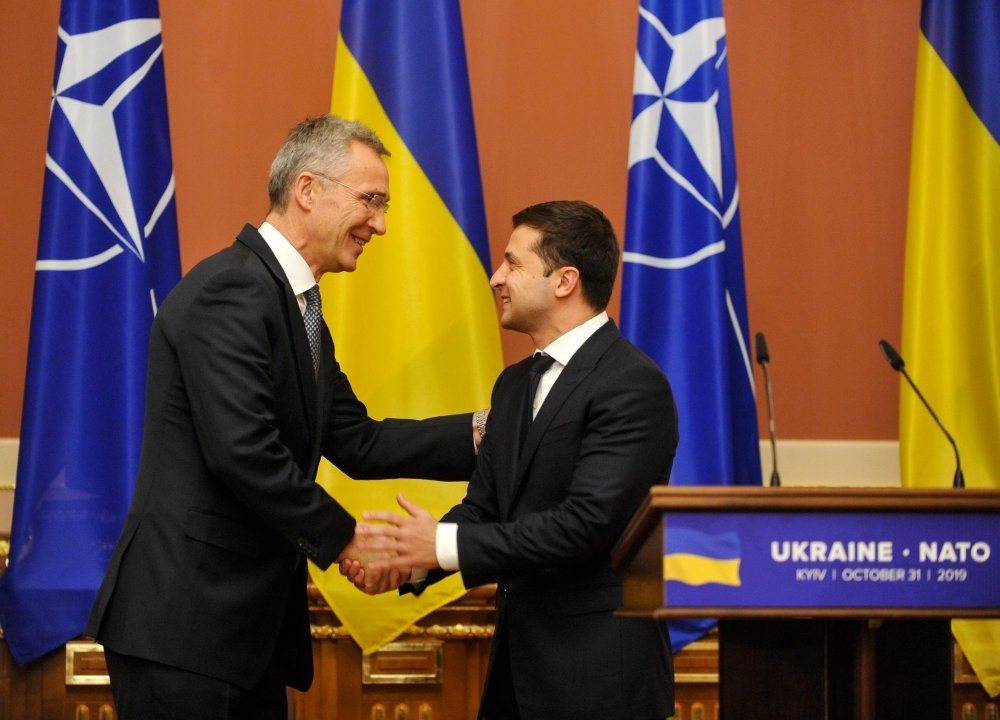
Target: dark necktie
point(539, 364)
point(313, 318)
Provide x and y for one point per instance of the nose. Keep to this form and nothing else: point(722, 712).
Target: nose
point(498, 277)
point(377, 222)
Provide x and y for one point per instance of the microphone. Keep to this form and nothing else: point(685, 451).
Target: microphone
point(899, 366)
point(763, 359)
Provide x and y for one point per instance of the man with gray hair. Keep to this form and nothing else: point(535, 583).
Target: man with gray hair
point(203, 609)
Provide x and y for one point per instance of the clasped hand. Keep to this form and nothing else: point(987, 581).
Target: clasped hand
point(387, 547)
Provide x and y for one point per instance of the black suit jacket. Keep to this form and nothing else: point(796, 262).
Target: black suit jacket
point(541, 520)
point(209, 573)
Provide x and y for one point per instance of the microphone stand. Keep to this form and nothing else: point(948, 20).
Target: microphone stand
point(959, 481)
point(775, 478)
point(764, 360)
point(897, 364)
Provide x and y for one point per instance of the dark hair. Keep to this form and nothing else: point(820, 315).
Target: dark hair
point(320, 142)
point(577, 234)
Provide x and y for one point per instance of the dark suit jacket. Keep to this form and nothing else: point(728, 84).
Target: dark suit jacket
point(541, 520)
point(209, 574)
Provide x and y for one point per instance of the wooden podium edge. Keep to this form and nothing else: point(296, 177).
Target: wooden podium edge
point(792, 499)
point(805, 613)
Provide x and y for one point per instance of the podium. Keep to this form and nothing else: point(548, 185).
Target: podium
point(832, 602)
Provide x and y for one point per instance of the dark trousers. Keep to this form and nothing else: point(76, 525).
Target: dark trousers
point(146, 690)
point(499, 702)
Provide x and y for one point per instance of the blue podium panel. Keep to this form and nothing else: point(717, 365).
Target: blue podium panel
point(797, 552)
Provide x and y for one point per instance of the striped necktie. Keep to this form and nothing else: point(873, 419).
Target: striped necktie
point(313, 318)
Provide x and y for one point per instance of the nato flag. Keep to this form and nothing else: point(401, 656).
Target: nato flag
point(107, 256)
point(683, 292)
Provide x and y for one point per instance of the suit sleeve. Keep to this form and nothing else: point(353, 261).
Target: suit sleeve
point(439, 448)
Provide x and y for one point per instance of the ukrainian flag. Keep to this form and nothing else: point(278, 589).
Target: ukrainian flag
point(692, 557)
point(416, 328)
point(951, 295)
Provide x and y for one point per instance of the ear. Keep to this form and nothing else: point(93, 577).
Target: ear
point(304, 190)
point(567, 282)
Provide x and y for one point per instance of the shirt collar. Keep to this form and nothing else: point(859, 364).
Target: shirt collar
point(296, 269)
point(564, 347)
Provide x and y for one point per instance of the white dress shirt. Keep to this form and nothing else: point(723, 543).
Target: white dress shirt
point(296, 269)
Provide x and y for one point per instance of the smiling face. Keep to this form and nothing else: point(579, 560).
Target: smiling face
point(527, 293)
point(340, 223)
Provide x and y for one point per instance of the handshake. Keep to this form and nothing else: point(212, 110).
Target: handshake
point(383, 556)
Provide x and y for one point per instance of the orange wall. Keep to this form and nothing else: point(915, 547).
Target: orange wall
point(822, 103)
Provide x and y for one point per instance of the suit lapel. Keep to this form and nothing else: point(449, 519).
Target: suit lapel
point(296, 329)
point(580, 366)
point(514, 407)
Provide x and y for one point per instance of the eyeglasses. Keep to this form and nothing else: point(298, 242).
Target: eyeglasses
point(373, 202)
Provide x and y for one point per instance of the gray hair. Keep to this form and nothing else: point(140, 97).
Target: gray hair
point(321, 143)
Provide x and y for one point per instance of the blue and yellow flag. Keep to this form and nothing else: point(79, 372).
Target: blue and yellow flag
point(696, 558)
point(951, 293)
point(416, 328)
point(107, 256)
point(683, 291)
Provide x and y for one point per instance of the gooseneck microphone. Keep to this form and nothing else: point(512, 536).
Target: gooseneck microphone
point(896, 361)
point(764, 359)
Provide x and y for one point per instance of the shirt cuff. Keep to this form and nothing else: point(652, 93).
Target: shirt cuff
point(446, 546)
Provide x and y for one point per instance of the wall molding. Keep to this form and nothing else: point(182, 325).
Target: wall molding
point(850, 463)
point(8, 472)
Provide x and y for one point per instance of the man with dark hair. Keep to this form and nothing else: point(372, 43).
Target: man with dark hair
point(203, 610)
point(561, 471)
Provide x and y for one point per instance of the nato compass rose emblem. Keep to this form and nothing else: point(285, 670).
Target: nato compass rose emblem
point(108, 146)
point(676, 125)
